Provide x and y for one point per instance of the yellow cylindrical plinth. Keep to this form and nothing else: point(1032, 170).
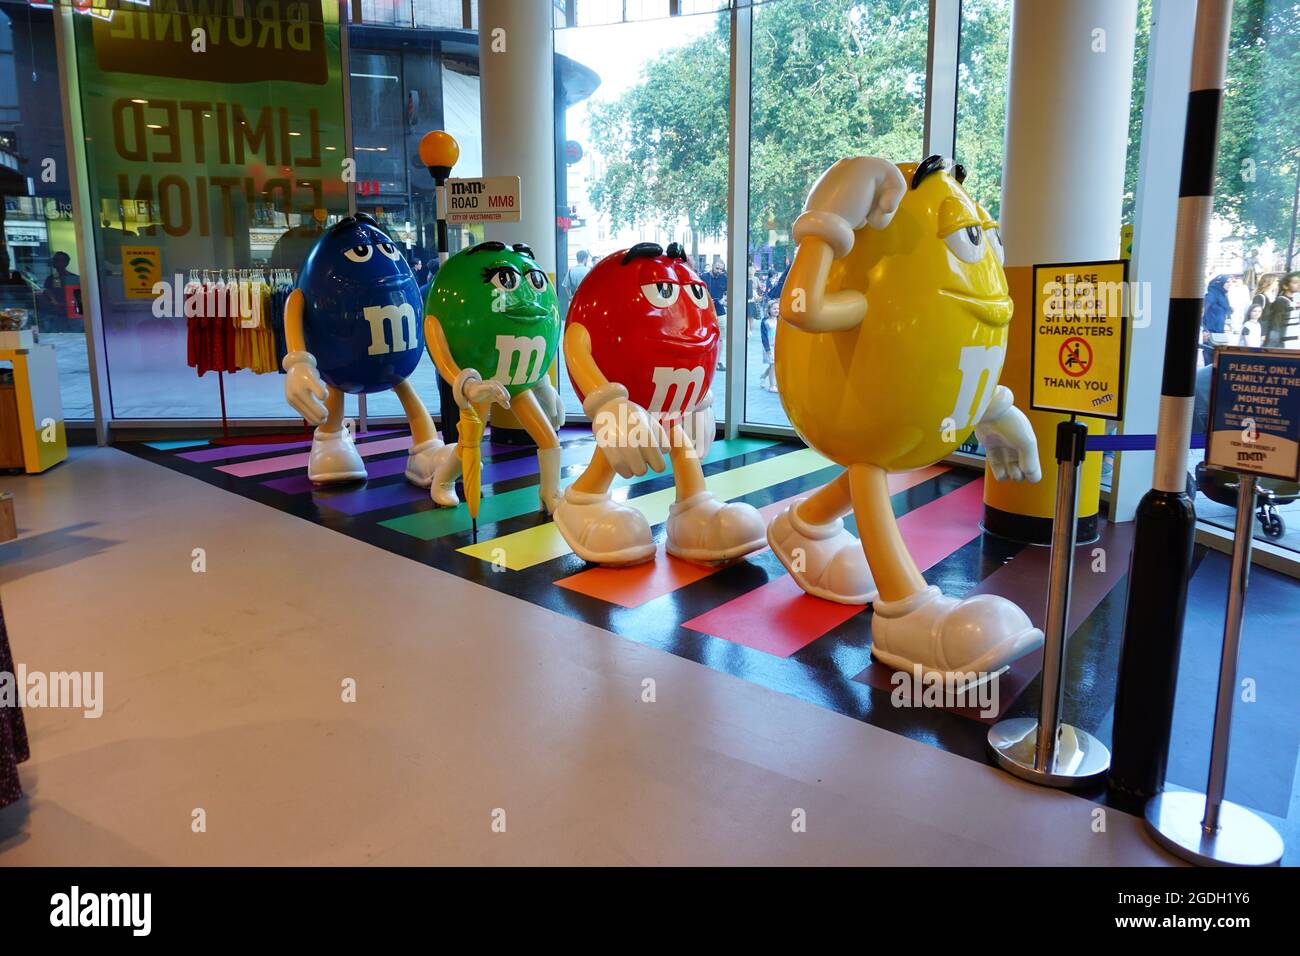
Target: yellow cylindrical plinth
point(1070, 77)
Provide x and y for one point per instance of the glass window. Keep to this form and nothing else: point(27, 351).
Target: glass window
point(217, 164)
point(599, 12)
point(419, 13)
point(38, 256)
point(982, 96)
point(830, 79)
point(390, 12)
point(644, 138)
point(1252, 286)
point(403, 84)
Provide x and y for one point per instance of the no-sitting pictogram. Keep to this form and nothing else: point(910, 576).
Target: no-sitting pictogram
point(1075, 356)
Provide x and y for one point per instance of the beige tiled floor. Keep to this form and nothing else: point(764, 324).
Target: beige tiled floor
point(223, 693)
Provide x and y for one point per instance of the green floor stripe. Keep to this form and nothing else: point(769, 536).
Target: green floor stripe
point(437, 522)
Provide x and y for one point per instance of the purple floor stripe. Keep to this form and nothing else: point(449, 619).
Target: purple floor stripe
point(361, 500)
point(227, 452)
point(372, 498)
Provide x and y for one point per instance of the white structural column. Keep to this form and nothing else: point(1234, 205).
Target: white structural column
point(1164, 116)
point(517, 114)
point(1070, 85)
point(1071, 81)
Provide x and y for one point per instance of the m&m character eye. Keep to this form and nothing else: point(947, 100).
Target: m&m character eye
point(505, 279)
point(661, 294)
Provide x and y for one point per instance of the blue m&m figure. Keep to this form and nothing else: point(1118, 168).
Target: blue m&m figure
point(362, 311)
point(355, 325)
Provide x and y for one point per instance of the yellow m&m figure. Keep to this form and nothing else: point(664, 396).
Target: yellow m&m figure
point(893, 333)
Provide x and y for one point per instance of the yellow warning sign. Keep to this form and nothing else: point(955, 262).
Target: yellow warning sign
point(141, 269)
point(1080, 338)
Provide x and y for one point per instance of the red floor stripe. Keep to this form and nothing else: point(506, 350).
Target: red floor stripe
point(635, 586)
point(777, 618)
point(935, 530)
point(780, 619)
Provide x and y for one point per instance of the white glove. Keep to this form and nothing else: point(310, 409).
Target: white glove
point(630, 439)
point(470, 388)
point(549, 399)
point(701, 425)
point(304, 388)
point(853, 193)
point(1009, 443)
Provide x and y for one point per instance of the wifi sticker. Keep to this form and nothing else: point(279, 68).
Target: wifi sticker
point(141, 270)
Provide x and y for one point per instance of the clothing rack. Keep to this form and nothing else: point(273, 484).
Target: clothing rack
point(274, 278)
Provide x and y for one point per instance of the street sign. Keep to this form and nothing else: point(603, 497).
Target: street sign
point(1254, 423)
point(1080, 338)
point(483, 199)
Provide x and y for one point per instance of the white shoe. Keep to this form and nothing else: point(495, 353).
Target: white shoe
point(334, 457)
point(421, 462)
point(706, 530)
point(833, 564)
point(951, 637)
point(446, 469)
point(603, 531)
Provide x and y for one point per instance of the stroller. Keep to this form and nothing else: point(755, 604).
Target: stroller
point(1221, 486)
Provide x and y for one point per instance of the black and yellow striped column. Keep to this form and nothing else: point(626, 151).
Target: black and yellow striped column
point(1165, 529)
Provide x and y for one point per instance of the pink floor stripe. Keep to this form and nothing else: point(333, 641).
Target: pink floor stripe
point(779, 618)
point(265, 466)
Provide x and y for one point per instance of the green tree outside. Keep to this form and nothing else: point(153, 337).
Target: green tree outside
point(834, 78)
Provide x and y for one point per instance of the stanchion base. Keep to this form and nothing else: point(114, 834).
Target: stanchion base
point(1243, 838)
point(1081, 758)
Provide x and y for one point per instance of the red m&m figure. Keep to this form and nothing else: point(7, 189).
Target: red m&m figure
point(641, 344)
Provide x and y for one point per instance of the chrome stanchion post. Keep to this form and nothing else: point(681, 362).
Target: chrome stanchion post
point(1046, 751)
point(1204, 827)
point(1059, 585)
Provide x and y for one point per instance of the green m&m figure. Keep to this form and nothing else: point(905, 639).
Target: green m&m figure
point(492, 326)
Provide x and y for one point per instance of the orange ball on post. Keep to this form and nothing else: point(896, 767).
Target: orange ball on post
point(439, 152)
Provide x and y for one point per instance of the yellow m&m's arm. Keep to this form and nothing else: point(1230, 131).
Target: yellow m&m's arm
point(805, 303)
point(293, 336)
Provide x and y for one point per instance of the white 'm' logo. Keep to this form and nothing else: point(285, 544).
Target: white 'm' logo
point(980, 366)
point(679, 381)
point(529, 353)
point(401, 319)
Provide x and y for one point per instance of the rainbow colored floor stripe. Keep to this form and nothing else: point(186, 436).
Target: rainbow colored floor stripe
point(747, 618)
